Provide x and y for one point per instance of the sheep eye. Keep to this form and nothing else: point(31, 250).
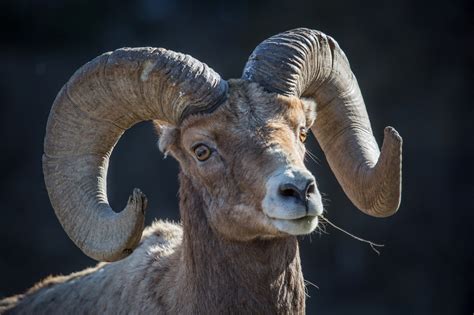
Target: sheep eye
point(303, 134)
point(202, 152)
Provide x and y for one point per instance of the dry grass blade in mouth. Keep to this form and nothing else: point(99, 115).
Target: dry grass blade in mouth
point(372, 244)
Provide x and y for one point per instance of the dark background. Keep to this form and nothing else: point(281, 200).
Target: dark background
point(413, 61)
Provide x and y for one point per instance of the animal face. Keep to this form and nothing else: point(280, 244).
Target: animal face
point(247, 161)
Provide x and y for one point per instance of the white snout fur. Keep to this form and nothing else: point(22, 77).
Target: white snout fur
point(286, 214)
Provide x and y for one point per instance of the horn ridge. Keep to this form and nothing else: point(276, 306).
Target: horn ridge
point(103, 98)
point(307, 63)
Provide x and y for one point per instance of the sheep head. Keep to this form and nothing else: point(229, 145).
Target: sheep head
point(239, 141)
point(247, 161)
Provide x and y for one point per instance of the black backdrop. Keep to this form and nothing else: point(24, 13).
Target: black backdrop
point(412, 61)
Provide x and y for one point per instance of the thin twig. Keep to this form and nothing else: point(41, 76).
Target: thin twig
point(372, 244)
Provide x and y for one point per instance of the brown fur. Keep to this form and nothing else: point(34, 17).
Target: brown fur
point(226, 257)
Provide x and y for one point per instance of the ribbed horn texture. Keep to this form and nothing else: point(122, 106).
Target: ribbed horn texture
point(102, 99)
point(308, 63)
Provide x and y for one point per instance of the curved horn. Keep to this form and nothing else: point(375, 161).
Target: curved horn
point(307, 63)
point(102, 99)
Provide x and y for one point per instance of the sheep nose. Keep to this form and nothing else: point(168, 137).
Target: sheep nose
point(300, 194)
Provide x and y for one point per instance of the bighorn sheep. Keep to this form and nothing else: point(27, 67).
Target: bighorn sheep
point(245, 193)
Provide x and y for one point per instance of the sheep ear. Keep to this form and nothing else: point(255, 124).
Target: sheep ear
point(309, 107)
point(168, 137)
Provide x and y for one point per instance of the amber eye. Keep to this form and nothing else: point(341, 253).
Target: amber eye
point(202, 152)
point(303, 134)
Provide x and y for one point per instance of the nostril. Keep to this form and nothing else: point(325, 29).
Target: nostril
point(300, 194)
point(310, 189)
point(289, 192)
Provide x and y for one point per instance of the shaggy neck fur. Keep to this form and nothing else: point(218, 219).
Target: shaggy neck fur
point(262, 276)
point(197, 272)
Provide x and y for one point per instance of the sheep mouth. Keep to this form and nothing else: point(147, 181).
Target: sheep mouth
point(306, 218)
point(299, 226)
